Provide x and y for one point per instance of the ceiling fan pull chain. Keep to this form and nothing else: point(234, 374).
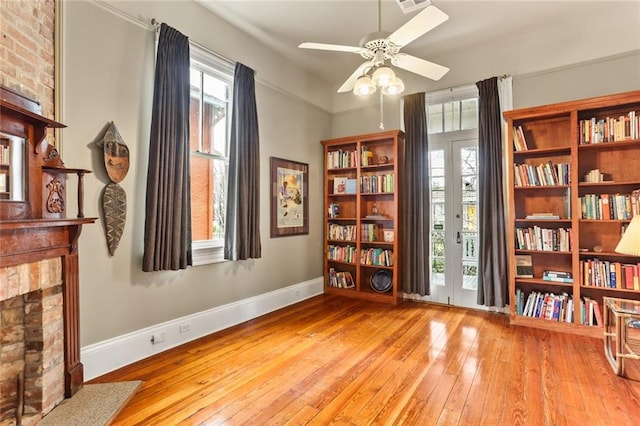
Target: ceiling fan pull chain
point(381, 127)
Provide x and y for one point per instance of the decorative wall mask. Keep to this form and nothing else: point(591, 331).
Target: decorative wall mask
point(114, 199)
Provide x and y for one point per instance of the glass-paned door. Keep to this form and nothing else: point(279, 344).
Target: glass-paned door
point(453, 163)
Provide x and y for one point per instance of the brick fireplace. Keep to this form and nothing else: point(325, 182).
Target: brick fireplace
point(32, 337)
point(39, 285)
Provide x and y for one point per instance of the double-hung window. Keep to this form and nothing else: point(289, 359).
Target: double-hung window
point(209, 124)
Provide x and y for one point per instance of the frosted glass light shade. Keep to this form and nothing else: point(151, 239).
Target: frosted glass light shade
point(395, 87)
point(383, 76)
point(364, 86)
point(630, 241)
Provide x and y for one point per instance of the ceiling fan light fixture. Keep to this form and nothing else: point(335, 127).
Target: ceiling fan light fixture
point(364, 86)
point(394, 88)
point(383, 76)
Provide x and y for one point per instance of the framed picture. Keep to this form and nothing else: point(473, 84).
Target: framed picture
point(289, 198)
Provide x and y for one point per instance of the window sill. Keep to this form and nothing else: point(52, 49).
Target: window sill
point(207, 252)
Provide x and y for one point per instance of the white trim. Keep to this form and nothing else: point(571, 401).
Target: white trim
point(108, 355)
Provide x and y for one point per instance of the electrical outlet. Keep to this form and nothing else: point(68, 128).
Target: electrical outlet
point(158, 337)
point(185, 328)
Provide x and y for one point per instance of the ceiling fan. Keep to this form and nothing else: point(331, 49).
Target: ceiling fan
point(383, 46)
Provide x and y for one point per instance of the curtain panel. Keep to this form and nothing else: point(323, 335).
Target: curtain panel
point(242, 231)
point(167, 236)
point(492, 258)
point(415, 197)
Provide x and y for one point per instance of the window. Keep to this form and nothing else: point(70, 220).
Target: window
point(453, 115)
point(209, 127)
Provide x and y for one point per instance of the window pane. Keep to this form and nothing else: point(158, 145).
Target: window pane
point(201, 207)
point(208, 198)
point(451, 116)
point(220, 169)
point(214, 116)
point(435, 118)
point(195, 111)
point(469, 115)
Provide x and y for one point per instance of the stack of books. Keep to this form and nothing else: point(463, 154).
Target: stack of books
point(557, 276)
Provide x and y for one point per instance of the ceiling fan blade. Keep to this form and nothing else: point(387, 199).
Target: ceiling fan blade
point(347, 86)
point(334, 47)
point(419, 66)
point(420, 24)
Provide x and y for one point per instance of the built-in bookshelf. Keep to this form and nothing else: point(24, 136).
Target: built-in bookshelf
point(362, 216)
point(574, 167)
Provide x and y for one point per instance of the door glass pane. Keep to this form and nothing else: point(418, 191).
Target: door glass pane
point(469, 179)
point(470, 275)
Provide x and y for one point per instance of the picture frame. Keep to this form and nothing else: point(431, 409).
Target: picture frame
point(289, 198)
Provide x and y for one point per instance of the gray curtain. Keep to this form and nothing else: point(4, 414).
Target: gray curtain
point(167, 233)
point(492, 258)
point(415, 197)
point(242, 231)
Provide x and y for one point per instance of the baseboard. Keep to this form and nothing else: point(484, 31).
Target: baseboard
point(103, 357)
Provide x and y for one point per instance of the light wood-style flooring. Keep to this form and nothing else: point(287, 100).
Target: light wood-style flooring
point(331, 360)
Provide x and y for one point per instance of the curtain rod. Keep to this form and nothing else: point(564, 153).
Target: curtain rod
point(156, 25)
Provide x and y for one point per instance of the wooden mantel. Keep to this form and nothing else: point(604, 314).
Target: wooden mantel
point(29, 230)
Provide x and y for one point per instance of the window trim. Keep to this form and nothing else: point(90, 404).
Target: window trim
point(205, 252)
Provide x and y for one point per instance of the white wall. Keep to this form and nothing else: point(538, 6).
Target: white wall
point(108, 75)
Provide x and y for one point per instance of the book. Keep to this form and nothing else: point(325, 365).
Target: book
point(524, 266)
point(350, 186)
point(339, 185)
point(542, 216)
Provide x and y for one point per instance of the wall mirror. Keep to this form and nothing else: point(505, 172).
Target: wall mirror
point(13, 168)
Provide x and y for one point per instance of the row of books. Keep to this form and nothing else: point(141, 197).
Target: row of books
point(347, 254)
point(369, 232)
point(372, 256)
point(558, 276)
point(340, 279)
point(545, 239)
point(610, 129)
point(519, 141)
point(344, 185)
point(5, 155)
point(333, 210)
point(558, 307)
point(555, 307)
point(609, 206)
point(604, 273)
point(376, 183)
point(341, 232)
point(366, 156)
point(376, 257)
point(342, 159)
point(544, 174)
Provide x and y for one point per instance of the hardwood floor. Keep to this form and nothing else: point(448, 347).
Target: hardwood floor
point(330, 360)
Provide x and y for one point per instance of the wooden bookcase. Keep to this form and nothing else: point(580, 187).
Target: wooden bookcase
point(555, 134)
point(362, 221)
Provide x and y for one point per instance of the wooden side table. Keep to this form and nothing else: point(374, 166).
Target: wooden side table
point(621, 323)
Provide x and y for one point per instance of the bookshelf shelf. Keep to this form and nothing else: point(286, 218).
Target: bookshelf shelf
point(376, 158)
point(591, 137)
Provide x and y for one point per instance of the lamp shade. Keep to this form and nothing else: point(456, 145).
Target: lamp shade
point(383, 76)
point(395, 87)
point(630, 241)
point(364, 86)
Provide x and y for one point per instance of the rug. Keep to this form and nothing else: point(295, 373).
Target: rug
point(93, 405)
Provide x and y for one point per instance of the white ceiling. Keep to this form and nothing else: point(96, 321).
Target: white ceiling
point(283, 25)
